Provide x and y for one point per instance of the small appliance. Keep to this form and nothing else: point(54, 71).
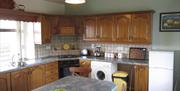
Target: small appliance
point(85, 52)
point(97, 52)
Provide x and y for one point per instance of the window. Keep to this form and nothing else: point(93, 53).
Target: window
point(8, 40)
point(16, 40)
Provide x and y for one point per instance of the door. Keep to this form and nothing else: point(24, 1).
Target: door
point(141, 78)
point(90, 28)
point(37, 76)
point(5, 82)
point(122, 28)
point(19, 80)
point(141, 28)
point(105, 26)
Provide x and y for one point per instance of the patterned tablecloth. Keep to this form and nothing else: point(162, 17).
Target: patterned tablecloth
point(77, 83)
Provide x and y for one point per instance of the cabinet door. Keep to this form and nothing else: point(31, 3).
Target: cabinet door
point(79, 25)
point(66, 26)
point(122, 28)
point(19, 80)
point(141, 78)
point(37, 76)
point(42, 34)
point(5, 82)
point(105, 28)
point(90, 28)
point(45, 30)
point(54, 24)
point(141, 28)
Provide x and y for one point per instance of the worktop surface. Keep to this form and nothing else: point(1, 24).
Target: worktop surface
point(45, 60)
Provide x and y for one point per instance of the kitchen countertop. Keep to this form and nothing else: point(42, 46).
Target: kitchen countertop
point(45, 60)
point(77, 83)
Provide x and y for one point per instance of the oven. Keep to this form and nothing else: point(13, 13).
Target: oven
point(65, 64)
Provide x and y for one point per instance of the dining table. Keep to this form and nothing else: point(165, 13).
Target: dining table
point(78, 83)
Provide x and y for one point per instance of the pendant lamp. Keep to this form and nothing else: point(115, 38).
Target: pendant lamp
point(75, 1)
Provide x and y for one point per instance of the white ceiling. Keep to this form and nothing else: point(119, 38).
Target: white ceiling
point(42, 6)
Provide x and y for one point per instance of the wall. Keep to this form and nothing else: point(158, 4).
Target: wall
point(161, 40)
point(55, 48)
point(42, 6)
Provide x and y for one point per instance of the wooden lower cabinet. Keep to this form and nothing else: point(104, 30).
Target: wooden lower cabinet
point(36, 76)
point(5, 82)
point(30, 78)
point(141, 78)
point(19, 80)
point(51, 73)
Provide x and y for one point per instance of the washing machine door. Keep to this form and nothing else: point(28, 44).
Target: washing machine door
point(100, 75)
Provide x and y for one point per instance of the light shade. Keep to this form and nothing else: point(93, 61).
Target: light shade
point(75, 1)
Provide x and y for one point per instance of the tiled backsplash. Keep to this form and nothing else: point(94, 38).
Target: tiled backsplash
point(56, 46)
point(112, 48)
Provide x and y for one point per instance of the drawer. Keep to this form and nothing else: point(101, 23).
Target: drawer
point(52, 72)
point(50, 66)
point(52, 78)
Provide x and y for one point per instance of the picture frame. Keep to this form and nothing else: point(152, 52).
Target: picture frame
point(170, 22)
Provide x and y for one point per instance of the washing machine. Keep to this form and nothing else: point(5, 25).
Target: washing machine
point(103, 70)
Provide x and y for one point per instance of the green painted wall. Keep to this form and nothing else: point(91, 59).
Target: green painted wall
point(161, 40)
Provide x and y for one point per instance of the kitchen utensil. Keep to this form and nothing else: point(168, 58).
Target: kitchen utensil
point(97, 52)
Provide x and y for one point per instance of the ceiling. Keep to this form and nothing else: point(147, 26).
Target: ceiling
point(43, 6)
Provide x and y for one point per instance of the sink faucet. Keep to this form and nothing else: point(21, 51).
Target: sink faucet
point(19, 61)
point(12, 61)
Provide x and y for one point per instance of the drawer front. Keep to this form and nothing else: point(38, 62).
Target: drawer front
point(51, 72)
point(52, 78)
point(51, 66)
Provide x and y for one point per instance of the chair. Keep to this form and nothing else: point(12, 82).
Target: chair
point(82, 71)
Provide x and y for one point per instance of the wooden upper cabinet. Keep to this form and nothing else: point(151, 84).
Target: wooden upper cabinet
point(141, 28)
point(105, 26)
point(45, 30)
point(141, 78)
point(43, 34)
point(79, 25)
point(66, 26)
point(37, 76)
point(90, 33)
point(19, 80)
point(7, 4)
point(122, 28)
point(5, 82)
point(54, 24)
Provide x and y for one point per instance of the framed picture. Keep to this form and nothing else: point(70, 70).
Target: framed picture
point(170, 22)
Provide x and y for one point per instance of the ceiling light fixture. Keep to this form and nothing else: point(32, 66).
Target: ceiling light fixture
point(75, 1)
